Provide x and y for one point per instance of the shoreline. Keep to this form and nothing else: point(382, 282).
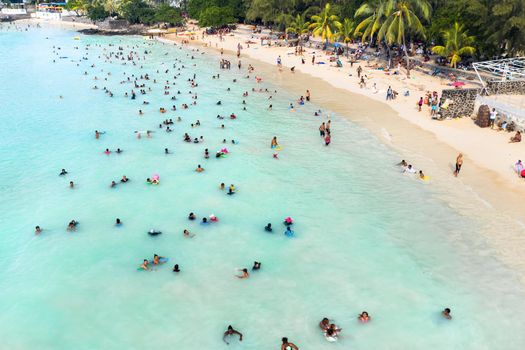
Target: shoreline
point(477, 191)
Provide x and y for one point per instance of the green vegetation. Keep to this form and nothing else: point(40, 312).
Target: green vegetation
point(497, 26)
point(457, 43)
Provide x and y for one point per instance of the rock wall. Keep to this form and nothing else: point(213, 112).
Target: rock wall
point(463, 102)
point(464, 99)
point(506, 87)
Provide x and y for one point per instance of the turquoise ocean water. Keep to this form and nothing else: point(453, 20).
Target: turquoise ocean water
point(367, 237)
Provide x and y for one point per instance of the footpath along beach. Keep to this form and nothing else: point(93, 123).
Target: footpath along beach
point(487, 182)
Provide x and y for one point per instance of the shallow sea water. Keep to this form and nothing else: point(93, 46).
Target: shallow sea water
point(367, 237)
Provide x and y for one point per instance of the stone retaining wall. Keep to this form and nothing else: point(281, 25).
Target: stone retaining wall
point(464, 99)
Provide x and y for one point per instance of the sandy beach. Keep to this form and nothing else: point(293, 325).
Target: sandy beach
point(487, 187)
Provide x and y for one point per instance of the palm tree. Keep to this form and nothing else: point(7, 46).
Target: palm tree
point(457, 43)
point(400, 18)
point(369, 26)
point(299, 26)
point(325, 24)
point(347, 32)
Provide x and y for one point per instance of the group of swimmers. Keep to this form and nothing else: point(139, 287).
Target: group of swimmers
point(409, 170)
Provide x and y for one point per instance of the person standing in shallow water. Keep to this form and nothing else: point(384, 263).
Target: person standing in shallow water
point(286, 345)
point(459, 163)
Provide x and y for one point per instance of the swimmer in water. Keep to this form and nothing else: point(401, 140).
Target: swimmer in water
point(268, 228)
point(192, 216)
point(274, 142)
point(176, 268)
point(229, 332)
point(119, 150)
point(199, 169)
point(206, 154)
point(402, 163)
point(245, 274)
point(38, 230)
point(144, 265)
point(324, 324)
point(118, 222)
point(71, 184)
point(166, 151)
point(256, 265)
point(124, 179)
point(364, 317)
point(289, 232)
point(231, 190)
point(72, 226)
point(156, 259)
point(446, 314)
point(63, 172)
point(222, 186)
point(113, 184)
point(286, 345)
point(187, 234)
point(421, 175)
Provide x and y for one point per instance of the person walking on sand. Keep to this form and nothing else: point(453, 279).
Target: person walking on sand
point(420, 104)
point(459, 163)
point(359, 70)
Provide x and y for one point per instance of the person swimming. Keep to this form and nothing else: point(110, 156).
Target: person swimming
point(229, 332)
point(244, 274)
point(446, 314)
point(166, 151)
point(144, 265)
point(288, 221)
point(157, 261)
point(176, 268)
point(199, 169)
point(113, 184)
point(153, 232)
point(192, 216)
point(118, 222)
point(289, 232)
point(63, 172)
point(286, 345)
point(71, 184)
point(363, 317)
point(268, 228)
point(72, 226)
point(38, 230)
point(256, 265)
point(324, 324)
point(187, 234)
point(124, 179)
point(231, 190)
point(222, 186)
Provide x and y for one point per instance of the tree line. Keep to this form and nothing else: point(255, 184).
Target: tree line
point(455, 28)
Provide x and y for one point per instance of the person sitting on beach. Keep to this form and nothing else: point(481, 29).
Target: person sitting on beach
point(518, 167)
point(244, 274)
point(38, 230)
point(199, 169)
point(446, 314)
point(516, 138)
point(192, 216)
point(363, 317)
point(144, 265)
point(324, 324)
point(229, 332)
point(63, 172)
point(268, 228)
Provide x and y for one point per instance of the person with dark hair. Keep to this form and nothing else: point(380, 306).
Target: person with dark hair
point(286, 345)
point(229, 332)
point(446, 313)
